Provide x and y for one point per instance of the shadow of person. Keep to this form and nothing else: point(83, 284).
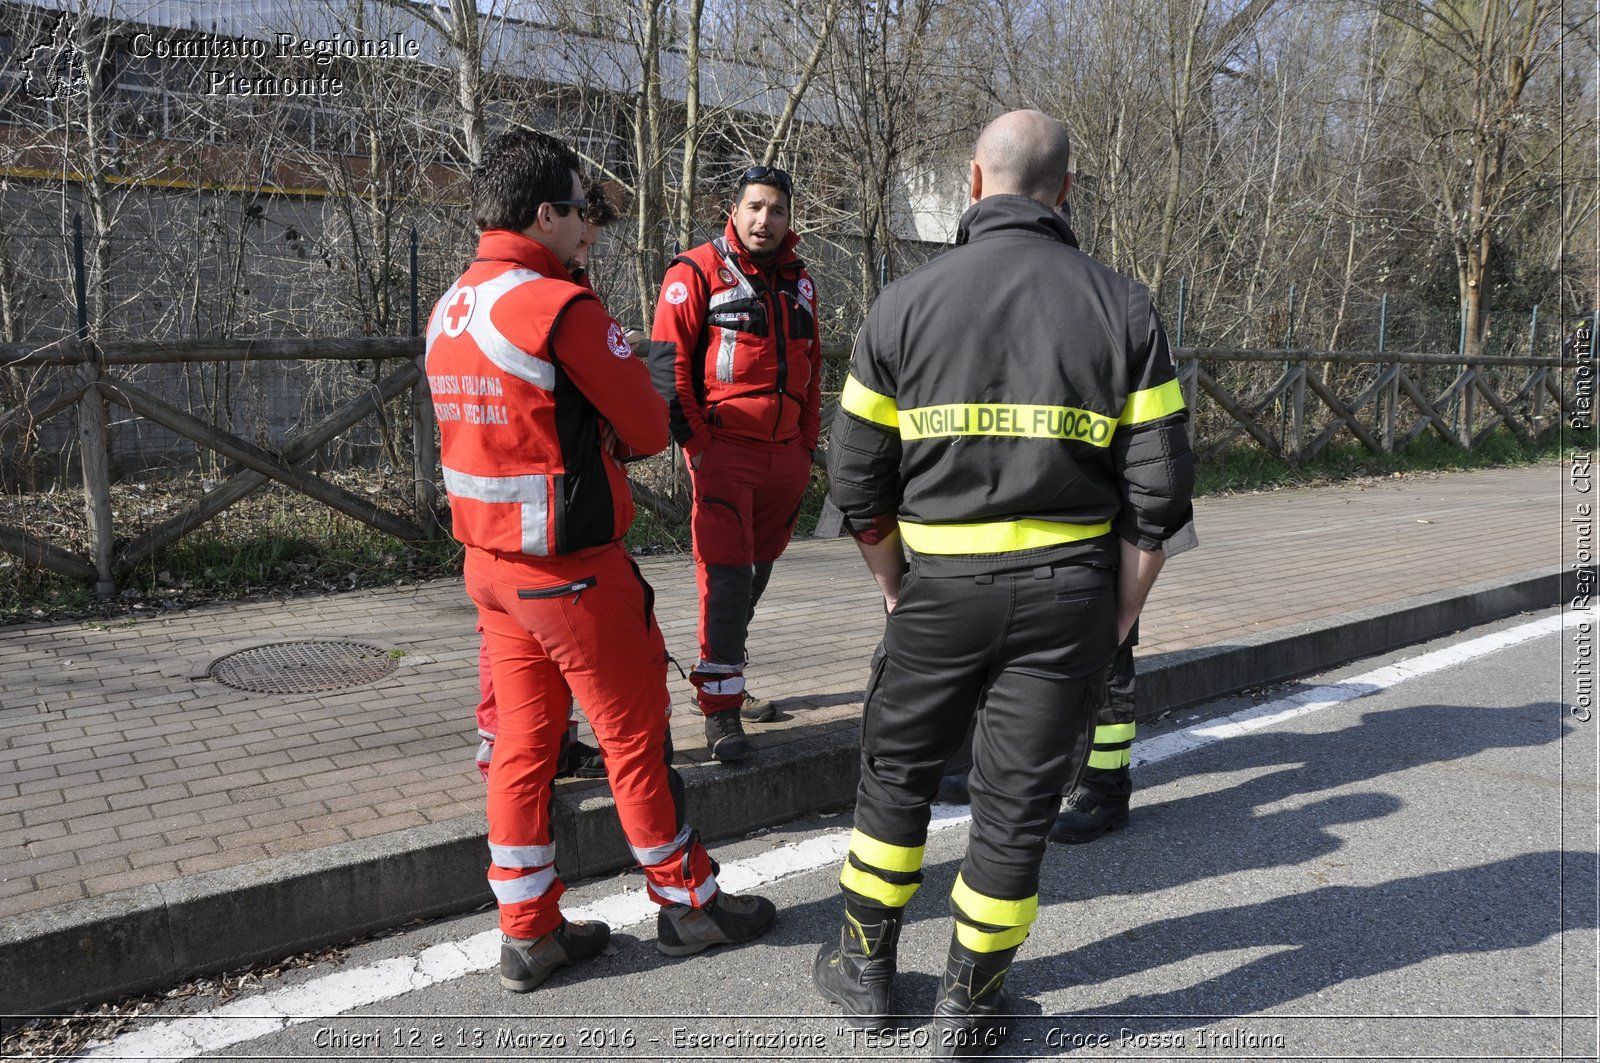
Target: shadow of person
point(1326, 937)
point(1224, 831)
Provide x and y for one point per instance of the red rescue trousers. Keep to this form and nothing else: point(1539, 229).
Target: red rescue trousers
point(746, 501)
point(580, 623)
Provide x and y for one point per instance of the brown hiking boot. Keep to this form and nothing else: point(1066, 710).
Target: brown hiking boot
point(757, 710)
point(526, 963)
point(727, 920)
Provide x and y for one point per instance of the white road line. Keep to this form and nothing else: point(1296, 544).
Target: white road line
point(189, 1036)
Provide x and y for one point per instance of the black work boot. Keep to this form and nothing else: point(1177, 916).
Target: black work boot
point(525, 963)
point(857, 973)
point(725, 739)
point(1098, 805)
point(970, 1016)
point(728, 920)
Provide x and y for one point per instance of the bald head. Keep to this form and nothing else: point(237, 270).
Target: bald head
point(1022, 153)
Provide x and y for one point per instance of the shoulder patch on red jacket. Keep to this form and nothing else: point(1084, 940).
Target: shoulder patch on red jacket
point(617, 340)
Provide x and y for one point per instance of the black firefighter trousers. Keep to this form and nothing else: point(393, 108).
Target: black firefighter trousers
point(1024, 650)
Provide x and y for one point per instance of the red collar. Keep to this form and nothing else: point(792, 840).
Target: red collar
point(503, 245)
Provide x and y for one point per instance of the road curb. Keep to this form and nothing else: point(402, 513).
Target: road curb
point(149, 938)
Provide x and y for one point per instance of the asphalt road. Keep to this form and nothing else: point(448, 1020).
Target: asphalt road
point(1405, 874)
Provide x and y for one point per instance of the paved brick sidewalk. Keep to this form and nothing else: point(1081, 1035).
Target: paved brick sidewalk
point(118, 769)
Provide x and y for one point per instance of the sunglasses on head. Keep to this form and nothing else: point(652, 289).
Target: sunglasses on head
point(768, 175)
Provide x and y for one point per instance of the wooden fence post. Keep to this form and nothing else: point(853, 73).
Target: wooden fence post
point(1297, 413)
point(92, 449)
point(1391, 407)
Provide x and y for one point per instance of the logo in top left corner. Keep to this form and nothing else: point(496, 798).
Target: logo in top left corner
point(55, 69)
point(458, 311)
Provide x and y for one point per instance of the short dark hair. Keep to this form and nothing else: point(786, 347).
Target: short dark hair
point(518, 171)
point(770, 176)
point(599, 211)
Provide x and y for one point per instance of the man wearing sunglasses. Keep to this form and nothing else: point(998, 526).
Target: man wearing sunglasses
point(734, 350)
point(539, 399)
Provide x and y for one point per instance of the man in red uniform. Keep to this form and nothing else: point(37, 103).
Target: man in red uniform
point(735, 352)
point(577, 758)
point(538, 400)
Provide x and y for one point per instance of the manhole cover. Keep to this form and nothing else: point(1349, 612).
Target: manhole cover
point(303, 667)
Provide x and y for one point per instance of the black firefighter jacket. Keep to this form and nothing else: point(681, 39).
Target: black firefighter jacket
point(1013, 403)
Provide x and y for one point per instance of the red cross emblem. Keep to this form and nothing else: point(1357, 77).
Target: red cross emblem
point(459, 312)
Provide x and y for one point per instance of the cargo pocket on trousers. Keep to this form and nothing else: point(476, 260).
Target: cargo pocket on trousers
point(874, 681)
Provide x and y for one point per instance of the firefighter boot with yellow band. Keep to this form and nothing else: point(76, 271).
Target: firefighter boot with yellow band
point(970, 1015)
point(858, 972)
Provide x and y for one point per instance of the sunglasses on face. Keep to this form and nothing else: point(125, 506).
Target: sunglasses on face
point(768, 175)
point(576, 204)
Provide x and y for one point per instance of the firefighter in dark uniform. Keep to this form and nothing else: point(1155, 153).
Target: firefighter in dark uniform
point(1013, 418)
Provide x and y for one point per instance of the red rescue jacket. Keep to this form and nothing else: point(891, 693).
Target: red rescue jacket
point(734, 348)
point(527, 372)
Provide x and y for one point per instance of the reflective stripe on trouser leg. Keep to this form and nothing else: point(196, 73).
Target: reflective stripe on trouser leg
point(990, 924)
point(879, 874)
point(1113, 746)
point(680, 872)
point(724, 623)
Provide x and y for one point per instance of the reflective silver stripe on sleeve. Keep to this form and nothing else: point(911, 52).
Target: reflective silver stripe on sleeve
point(699, 897)
point(531, 492)
point(495, 347)
point(656, 854)
point(522, 855)
point(527, 888)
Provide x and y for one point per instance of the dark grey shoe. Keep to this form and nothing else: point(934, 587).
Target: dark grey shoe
point(526, 963)
point(1098, 805)
point(727, 920)
point(725, 739)
point(1085, 816)
point(586, 762)
point(857, 973)
point(757, 710)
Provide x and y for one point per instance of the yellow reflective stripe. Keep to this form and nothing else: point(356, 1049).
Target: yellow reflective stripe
point(874, 888)
point(999, 537)
point(884, 856)
point(984, 941)
point(1107, 733)
point(1107, 759)
point(1007, 419)
point(1152, 404)
point(867, 404)
point(979, 908)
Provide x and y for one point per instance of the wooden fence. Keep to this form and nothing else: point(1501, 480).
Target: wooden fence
point(1276, 416)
